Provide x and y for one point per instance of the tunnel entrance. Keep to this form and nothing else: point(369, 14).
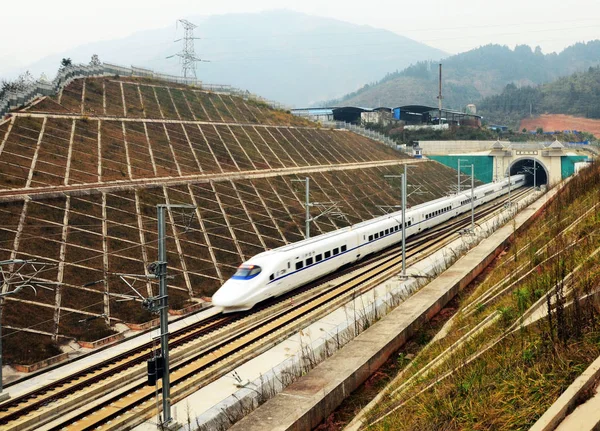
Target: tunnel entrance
point(526, 167)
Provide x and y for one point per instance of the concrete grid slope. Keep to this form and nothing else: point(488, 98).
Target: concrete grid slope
point(81, 174)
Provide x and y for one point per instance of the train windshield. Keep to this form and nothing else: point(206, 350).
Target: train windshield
point(246, 272)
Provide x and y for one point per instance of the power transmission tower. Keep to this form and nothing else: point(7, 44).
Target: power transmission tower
point(188, 55)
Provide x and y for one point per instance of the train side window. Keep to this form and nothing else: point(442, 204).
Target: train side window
point(309, 261)
point(381, 233)
point(370, 237)
point(327, 254)
point(344, 248)
point(289, 265)
point(336, 251)
point(376, 235)
point(272, 277)
point(409, 222)
point(299, 265)
point(318, 258)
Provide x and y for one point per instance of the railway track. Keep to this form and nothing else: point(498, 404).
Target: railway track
point(205, 351)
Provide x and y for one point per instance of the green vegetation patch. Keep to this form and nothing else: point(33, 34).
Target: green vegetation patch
point(508, 373)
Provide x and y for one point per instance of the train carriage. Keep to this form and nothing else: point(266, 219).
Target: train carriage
point(275, 272)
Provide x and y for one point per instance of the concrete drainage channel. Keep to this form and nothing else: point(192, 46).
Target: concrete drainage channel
point(258, 380)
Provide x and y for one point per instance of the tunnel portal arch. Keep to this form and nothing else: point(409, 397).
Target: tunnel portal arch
point(525, 165)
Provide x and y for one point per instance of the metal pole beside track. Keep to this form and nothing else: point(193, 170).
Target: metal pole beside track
point(164, 315)
point(403, 182)
point(163, 300)
point(458, 176)
point(472, 198)
point(403, 205)
point(1, 362)
point(307, 221)
point(509, 201)
point(307, 205)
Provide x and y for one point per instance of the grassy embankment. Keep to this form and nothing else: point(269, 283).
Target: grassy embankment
point(504, 373)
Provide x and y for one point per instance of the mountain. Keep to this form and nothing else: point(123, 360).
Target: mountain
point(286, 56)
point(470, 76)
point(577, 94)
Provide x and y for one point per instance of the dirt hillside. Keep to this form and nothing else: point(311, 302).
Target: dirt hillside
point(553, 122)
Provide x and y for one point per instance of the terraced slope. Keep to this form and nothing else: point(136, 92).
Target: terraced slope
point(81, 175)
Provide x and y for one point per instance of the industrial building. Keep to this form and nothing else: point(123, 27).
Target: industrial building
point(412, 116)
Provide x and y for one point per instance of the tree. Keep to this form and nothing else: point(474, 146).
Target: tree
point(6, 87)
point(65, 62)
point(23, 82)
point(95, 61)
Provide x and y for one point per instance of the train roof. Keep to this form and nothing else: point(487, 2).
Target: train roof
point(395, 214)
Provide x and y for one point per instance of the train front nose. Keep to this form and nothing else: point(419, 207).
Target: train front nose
point(231, 294)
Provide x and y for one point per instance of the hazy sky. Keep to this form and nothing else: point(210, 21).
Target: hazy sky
point(36, 28)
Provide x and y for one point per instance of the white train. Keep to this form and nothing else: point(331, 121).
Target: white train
point(275, 272)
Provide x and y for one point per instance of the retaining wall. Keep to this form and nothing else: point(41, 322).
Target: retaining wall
point(42, 364)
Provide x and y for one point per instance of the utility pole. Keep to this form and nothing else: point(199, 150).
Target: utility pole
point(458, 182)
point(403, 203)
point(440, 97)
point(158, 366)
point(326, 208)
point(188, 55)
point(163, 295)
point(307, 215)
point(509, 201)
point(163, 304)
point(307, 206)
point(403, 184)
point(532, 170)
point(472, 197)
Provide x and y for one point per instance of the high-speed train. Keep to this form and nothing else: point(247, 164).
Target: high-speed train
point(277, 271)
